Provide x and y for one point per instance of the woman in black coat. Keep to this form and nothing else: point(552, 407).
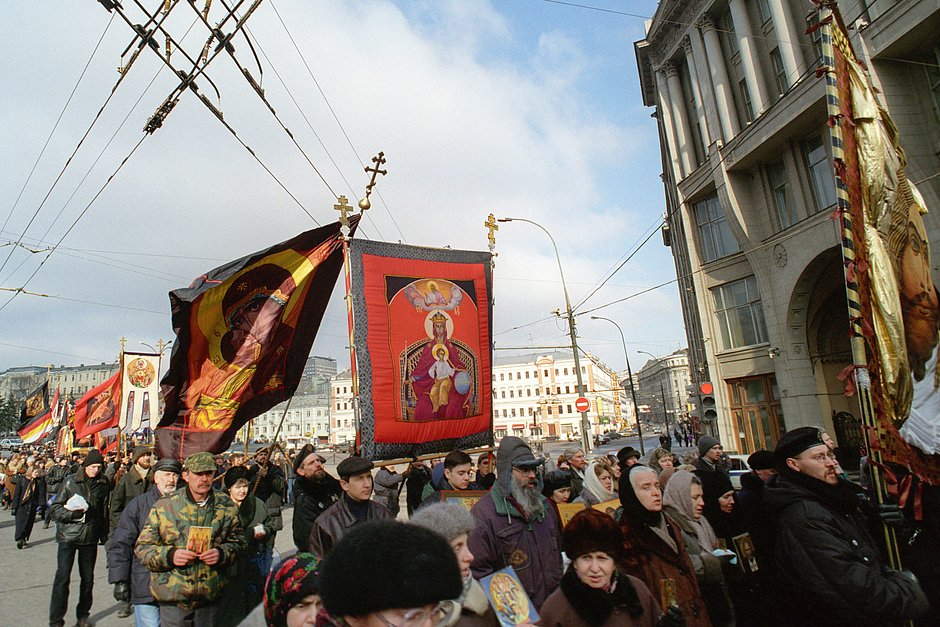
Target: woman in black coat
point(28, 495)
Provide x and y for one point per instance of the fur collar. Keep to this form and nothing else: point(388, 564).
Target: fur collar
point(594, 605)
point(476, 601)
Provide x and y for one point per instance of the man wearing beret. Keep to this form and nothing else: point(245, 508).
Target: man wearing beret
point(314, 492)
point(130, 578)
point(828, 562)
point(514, 526)
point(188, 543)
point(355, 479)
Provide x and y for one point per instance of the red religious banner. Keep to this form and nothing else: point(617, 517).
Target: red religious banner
point(98, 409)
point(424, 316)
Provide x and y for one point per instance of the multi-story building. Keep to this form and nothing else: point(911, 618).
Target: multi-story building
point(307, 420)
point(748, 176)
point(663, 386)
point(534, 396)
point(71, 381)
point(342, 409)
point(317, 373)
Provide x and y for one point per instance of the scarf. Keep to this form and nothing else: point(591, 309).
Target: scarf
point(678, 498)
point(632, 508)
point(595, 605)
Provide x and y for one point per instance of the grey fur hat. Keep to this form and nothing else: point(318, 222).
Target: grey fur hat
point(447, 519)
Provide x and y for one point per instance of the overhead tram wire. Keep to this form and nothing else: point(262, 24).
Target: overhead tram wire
point(56, 125)
point(81, 141)
point(336, 118)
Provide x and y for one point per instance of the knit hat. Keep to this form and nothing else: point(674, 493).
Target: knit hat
point(555, 480)
point(761, 460)
point(450, 520)
point(168, 464)
point(591, 530)
point(706, 442)
point(382, 565)
point(714, 484)
point(140, 451)
point(234, 474)
point(518, 453)
point(795, 442)
point(296, 577)
point(93, 457)
point(352, 466)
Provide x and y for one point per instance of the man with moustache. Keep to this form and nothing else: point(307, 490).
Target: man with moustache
point(514, 526)
point(827, 559)
point(314, 492)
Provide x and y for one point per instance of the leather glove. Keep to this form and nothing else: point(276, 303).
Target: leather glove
point(122, 592)
point(672, 618)
point(78, 514)
point(891, 515)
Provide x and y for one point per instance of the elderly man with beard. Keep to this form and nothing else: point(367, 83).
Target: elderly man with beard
point(514, 526)
point(314, 492)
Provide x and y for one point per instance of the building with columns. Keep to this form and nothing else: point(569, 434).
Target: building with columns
point(534, 395)
point(664, 383)
point(749, 193)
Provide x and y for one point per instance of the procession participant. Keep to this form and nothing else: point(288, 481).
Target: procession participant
point(653, 546)
point(577, 464)
point(556, 486)
point(54, 478)
point(514, 527)
point(266, 482)
point(419, 476)
point(710, 451)
point(598, 484)
point(412, 577)
point(457, 476)
point(245, 589)
point(593, 590)
point(388, 485)
point(486, 470)
point(314, 492)
point(135, 482)
point(355, 507)
point(29, 494)
point(628, 457)
point(826, 557)
point(81, 523)
point(292, 594)
point(660, 459)
point(130, 578)
point(454, 523)
point(189, 542)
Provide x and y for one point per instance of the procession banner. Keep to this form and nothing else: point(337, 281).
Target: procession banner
point(243, 334)
point(36, 404)
point(139, 390)
point(107, 440)
point(423, 332)
point(893, 302)
point(98, 409)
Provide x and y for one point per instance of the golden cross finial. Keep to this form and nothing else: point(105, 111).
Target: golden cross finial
point(344, 211)
point(379, 161)
point(493, 227)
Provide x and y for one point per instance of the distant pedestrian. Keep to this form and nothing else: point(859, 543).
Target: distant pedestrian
point(266, 482)
point(388, 486)
point(419, 476)
point(29, 495)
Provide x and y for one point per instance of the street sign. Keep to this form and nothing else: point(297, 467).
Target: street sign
point(582, 404)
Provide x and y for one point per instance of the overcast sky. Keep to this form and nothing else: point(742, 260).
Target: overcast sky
point(522, 108)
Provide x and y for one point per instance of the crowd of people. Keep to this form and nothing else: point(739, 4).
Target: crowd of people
point(659, 541)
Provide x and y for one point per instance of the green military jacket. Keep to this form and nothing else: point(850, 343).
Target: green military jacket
point(167, 529)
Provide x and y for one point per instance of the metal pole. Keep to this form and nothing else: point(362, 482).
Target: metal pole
point(636, 407)
point(585, 425)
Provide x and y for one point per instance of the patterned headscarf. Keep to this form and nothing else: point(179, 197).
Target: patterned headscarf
point(297, 577)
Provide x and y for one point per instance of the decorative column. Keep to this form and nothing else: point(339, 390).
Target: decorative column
point(680, 119)
point(787, 39)
point(753, 72)
point(724, 94)
point(696, 91)
point(665, 110)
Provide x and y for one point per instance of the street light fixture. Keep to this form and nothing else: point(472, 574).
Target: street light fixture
point(636, 407)
point(585, 425)
point(662, 391)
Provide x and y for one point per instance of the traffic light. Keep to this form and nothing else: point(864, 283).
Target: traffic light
point(708, 407)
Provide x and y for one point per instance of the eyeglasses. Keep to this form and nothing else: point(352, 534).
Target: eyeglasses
point(822, 458)
point(438, 615)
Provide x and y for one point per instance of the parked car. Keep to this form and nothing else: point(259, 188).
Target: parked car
point(737, 466)
point(11, 444)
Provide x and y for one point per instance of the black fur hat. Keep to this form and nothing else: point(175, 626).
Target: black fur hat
point(384, 565)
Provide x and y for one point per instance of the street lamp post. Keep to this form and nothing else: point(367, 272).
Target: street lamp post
point(585, 425)
point(662, 390)
point(636, 407)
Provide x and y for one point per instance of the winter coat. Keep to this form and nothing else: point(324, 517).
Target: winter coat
point(502, 537)
point(130, 486)
point(829, 562)
point(77, 527)
point(56, 476)
point(245, 589)
point(312, 497)
point(271, 489)
point(26, 495)
point(417, 478)
point(336, 521)
point(167, 529)
point(574, 604)
point(649, 558)
point(388, 487)
point(123, 565)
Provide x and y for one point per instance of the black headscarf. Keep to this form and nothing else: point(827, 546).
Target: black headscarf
point(632, 508)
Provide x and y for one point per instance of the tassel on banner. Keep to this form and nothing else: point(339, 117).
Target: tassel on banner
point(867, 330)
point(902, 490)
point(839, 165)
point(848, 379)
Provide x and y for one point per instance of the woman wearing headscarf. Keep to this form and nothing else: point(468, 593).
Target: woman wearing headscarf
point(660, 459)
point(593, 590)
point(654, 549)
point(683, 504)
point(598, 484)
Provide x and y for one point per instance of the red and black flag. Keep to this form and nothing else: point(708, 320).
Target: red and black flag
point(99, 408)
point(243, 334)
point(36, 404)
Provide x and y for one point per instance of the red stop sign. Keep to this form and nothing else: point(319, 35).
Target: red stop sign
point(582, 404)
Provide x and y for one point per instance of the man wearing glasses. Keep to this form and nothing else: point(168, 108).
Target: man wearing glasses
point(826, 557)
point(514, 526)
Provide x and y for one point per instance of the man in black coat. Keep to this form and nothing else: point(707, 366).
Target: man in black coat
point(28, 495)
point(130, 578)
point(266, 482)
point(314, 492)
point(831, 571)
point(135, 482)
point(54, 479)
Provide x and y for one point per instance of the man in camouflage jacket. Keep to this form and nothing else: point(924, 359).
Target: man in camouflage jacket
point(188, 579)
